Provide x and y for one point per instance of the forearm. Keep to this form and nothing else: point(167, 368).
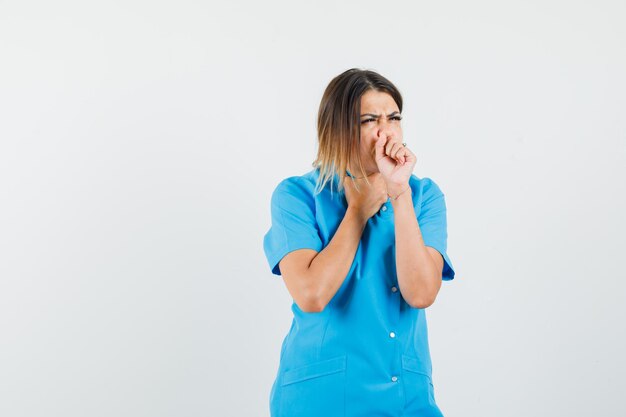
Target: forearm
point(417, 272)
point(330, 266)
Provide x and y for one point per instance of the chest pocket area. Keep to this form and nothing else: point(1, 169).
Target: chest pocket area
point(314, 390)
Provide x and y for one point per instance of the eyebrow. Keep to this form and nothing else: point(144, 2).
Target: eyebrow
point(377, 116)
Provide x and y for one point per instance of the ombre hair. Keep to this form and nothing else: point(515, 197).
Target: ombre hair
point(339, 124)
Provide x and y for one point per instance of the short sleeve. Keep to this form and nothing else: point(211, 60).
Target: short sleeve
point(433, 223)
point(293, 222)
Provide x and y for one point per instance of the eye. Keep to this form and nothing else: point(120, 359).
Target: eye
point(397, 118)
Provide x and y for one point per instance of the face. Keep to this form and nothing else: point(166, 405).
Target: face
point(379, 116)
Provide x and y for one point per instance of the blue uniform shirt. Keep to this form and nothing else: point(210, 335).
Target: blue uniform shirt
point(366, 353)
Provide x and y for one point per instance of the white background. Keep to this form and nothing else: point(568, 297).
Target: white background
point(140, 142)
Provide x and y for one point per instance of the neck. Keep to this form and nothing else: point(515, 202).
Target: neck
point(357, 173)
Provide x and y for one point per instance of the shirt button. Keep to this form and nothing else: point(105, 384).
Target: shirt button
point(392, 334)
point(394, 378)
point(384, 208)
point(394, 289)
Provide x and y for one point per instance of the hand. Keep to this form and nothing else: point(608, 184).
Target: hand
point(395, 162)
point(369, 198)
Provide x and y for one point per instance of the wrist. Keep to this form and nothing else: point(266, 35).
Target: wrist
point(357, 214)
point(406, 196)
point(397, 190)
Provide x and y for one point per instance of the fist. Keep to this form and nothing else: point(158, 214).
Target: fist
point(368, 198)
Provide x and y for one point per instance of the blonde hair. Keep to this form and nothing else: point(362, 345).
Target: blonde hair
point(339, 126)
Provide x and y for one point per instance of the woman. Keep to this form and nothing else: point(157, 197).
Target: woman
point(361, 245)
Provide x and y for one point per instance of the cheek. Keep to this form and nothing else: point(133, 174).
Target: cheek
point(366, 130)
point(371, 150)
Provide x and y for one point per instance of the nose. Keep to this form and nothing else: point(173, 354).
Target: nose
point(383, 127)
point(383, 130)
